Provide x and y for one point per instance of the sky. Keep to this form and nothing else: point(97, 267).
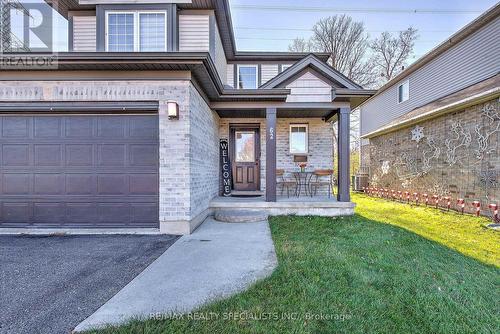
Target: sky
point(271, 25)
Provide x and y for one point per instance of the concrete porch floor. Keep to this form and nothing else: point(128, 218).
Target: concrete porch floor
point(301, 206)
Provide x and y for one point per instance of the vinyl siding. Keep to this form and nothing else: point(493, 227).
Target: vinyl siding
point(269, 71)
point(309, 88)
point(220, 56)
point(471, 61)
point(230, 75)
point(194, 33)
point(84, 33)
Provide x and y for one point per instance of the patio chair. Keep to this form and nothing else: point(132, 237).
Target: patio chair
point(322, 177)
point(283, 182)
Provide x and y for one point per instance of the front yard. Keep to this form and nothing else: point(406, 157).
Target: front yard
point(388, 269)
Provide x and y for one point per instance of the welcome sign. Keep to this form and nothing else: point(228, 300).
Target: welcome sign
point(225, 165)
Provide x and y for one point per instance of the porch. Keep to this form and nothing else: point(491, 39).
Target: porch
point(261, 149)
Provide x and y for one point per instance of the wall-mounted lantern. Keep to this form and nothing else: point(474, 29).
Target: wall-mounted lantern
point(172, 109)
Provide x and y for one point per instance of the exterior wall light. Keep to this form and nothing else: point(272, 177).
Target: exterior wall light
point(172, 109)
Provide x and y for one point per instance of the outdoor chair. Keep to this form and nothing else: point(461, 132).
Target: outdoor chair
point(283, 182)
point(322, 177)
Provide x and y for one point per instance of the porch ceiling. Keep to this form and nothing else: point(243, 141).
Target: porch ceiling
point(325, 114)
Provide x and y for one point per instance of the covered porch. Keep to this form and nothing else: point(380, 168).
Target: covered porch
point(273, 125)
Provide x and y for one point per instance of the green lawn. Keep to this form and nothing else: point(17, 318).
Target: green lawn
point(388, 269)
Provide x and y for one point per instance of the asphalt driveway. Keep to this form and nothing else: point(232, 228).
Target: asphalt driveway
point(49, 284)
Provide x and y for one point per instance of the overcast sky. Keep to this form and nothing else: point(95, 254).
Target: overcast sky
point(270, 25)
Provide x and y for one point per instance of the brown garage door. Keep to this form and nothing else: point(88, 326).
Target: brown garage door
point(79, 171)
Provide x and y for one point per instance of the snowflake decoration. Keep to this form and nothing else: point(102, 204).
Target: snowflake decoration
point(488, 178)
point(385, 167)
point(417, 133)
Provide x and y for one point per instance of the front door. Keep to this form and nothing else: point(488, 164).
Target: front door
point(245, 154)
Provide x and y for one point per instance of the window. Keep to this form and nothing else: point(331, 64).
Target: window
point(247, 76)
point(298, 138)
point(404, 91)
point(284, 67)
point(136, 31)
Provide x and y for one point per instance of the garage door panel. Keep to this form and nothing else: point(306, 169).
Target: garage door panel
point(49, 155)
point(143, 127)
point(112, 155)
point(48, 184)
point(16, 127)
point(79, 127)
point(143, 184)
point(81, 184)
point(79, 155)
point(112, 213)
point(143, 212)
point(16, 183)
point(48, 213)
point(47, 127)
point(19, 212)
point(81, 213)
point(74, 171)
point(111, 127)
point(16, 155)
point(143, 155)
point(111, 184)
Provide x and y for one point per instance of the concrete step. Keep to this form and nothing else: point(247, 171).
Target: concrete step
point(240, 216)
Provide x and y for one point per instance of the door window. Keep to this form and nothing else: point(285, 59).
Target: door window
point(245, 146)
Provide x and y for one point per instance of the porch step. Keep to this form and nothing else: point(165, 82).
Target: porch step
point(240, 216)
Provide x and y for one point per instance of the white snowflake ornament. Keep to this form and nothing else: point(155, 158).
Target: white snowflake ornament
point(417, 133)
point(385, 167)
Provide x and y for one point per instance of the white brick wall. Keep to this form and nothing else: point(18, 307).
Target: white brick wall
point(320, 154)
point(203, 153)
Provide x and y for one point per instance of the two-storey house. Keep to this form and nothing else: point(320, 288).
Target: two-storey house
point(127, 128)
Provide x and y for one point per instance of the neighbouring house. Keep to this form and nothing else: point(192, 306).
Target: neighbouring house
point(435, 128)
point(124, 129)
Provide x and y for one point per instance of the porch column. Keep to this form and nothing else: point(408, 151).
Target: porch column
point(271, 155)
point(343, 154)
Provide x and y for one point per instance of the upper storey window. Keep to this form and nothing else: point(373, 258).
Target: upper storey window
point(404, 91)
point(247, 76)
point(128, 31)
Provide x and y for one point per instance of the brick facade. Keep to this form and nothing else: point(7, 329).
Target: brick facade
point(458, 156)
point(320, 155)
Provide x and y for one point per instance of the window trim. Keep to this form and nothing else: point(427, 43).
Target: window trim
point(136, 13)
point(290, 138)
point(405, 82)
point(285, 67)
point(238, 75)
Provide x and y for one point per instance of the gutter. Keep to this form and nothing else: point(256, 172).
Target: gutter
point(461, 104)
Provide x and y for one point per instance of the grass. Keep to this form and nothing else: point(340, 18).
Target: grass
point(388, 269)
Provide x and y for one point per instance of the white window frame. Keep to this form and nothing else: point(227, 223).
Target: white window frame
point(136, 26)
point(285, 67)
point(238, 75)
point(402, 84)
point(305, 125)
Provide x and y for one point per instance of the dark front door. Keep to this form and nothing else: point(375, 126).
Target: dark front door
point(245, 153)
point(79, 171)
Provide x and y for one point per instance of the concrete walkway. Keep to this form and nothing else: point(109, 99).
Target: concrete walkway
point(217, 260)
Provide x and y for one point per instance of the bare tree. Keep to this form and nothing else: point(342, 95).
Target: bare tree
point(347, 42)
point(390, 53)
point(301, 45)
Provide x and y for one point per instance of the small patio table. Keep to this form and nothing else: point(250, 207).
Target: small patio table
point(303, 179)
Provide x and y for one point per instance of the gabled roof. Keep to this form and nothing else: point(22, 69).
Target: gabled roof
point(311, 61)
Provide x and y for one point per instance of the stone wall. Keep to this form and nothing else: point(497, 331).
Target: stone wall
point(457, 154)
point(320, 154)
